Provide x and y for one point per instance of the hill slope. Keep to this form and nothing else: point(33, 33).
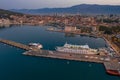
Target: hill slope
point(7, 13)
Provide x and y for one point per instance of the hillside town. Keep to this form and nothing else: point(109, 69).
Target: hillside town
point(74, 20)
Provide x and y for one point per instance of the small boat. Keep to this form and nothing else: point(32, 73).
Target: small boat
point(36, 45)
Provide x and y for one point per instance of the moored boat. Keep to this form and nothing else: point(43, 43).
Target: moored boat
point(79, 49)
point(36, 45)
point(113, 72)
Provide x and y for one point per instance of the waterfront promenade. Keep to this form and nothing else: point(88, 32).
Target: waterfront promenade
point(112, 45)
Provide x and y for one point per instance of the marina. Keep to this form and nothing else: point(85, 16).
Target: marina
point(106, 60)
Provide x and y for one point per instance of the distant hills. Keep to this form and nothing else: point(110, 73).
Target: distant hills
point(82, 9)
point(7, 13)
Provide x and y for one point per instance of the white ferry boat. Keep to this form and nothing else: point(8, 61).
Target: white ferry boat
point(36, 45)
point(79, 49)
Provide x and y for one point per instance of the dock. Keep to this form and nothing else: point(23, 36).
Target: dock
point(68, 56)
point(107, 61)
point(15, 44)
point(112, 66)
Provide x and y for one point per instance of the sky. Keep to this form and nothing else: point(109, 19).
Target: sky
point(36, 4)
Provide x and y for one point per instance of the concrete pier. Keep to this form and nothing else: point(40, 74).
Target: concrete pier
point(68, 56)
point(15, 44)
point(112, 66)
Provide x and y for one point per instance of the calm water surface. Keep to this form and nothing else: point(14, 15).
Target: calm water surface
point(15, 66)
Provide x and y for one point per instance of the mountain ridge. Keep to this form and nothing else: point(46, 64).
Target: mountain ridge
point(82, 9)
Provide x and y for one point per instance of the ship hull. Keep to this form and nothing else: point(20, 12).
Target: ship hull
point(113, 72)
